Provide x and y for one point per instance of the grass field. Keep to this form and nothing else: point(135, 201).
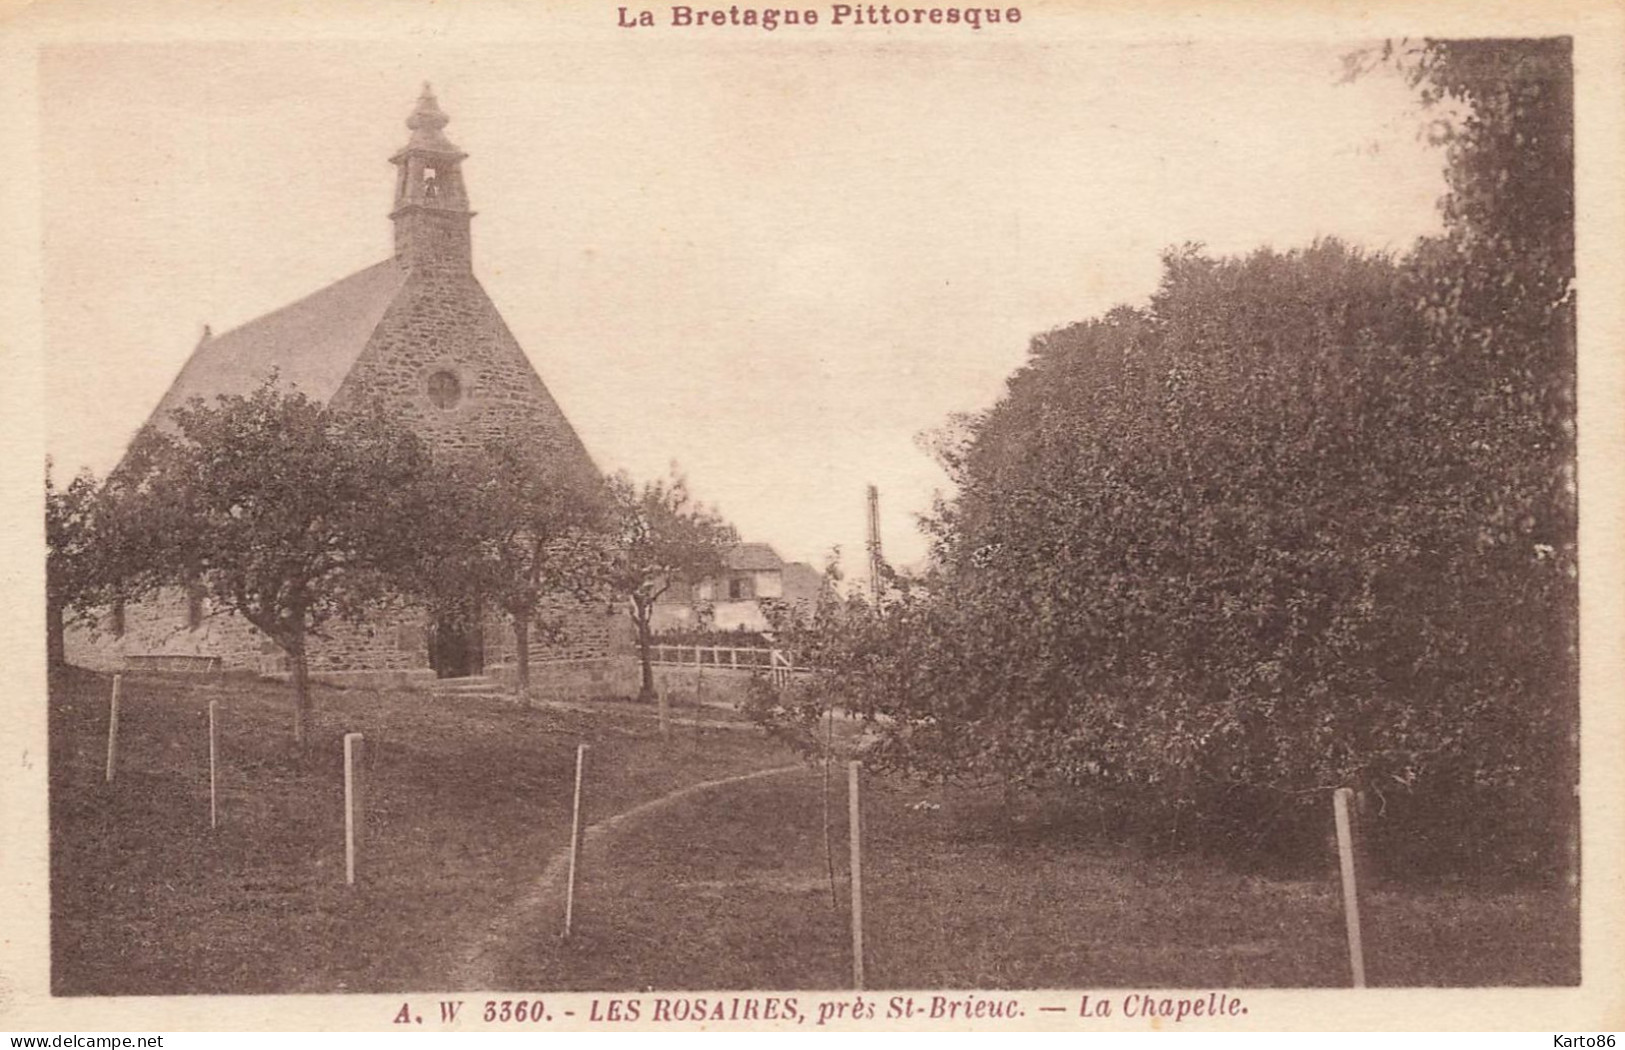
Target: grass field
point(726, 887)
point(466, 804)
point(957, 898)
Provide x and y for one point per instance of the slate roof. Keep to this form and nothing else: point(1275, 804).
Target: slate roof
point(312, 343)
point(752, 557)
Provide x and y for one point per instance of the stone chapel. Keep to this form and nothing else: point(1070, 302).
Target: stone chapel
point(418, 333)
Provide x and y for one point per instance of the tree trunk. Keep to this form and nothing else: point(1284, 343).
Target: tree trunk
point(301, 696)
point(640, 616)
point(521, 637)
point(56, 649)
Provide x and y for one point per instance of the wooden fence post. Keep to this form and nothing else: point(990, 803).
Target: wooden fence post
point(1351, 898)
point(353, 744)
point(665, 729)
point(112, 726)
point(575, 845)
point(214, 819)
point(855, 834)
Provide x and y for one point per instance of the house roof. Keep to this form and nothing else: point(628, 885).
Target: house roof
point(312, 344)
point(752, 557)
point(802, 582)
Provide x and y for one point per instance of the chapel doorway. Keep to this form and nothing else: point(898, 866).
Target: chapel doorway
point(456, 647)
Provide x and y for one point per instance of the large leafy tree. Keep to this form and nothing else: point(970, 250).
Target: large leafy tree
point(71, 584)
point(1304, 520)
point(661, 537)
point(283, 511)
point(1498, 291)
point(514, 527)
point(1166, 532)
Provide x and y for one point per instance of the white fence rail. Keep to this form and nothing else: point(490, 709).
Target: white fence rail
point(775, 662)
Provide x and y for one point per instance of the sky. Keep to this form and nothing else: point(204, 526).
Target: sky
point(774, 261)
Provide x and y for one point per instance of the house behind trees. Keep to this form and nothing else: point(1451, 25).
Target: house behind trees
point(752, 573)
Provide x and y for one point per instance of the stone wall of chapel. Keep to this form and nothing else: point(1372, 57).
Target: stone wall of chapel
point(442, 323)
point(161, 626)
point(391, 638)
point(595, 656)
point(587, 631)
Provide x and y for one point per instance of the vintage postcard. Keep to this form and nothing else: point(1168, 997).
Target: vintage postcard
point(1001, 516)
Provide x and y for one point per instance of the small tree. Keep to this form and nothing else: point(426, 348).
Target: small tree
point(516, 528)
point(70, 575)
point(662, 537)
point(281, 510)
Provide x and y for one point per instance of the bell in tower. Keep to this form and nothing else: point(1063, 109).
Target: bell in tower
point(431, 212)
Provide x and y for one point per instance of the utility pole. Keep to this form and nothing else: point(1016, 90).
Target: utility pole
point(874, 544)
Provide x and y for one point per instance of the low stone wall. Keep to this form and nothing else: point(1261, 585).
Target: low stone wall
point(710, 685)
point(621, 676)
point(588, 679)
point(419, 679)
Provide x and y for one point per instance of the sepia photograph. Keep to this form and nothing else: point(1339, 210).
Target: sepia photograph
point(822, 518)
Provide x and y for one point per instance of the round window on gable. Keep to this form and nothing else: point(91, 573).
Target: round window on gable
point(445, 389)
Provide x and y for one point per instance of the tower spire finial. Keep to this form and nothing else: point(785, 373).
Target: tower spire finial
point(426, 121)
point(431, 206)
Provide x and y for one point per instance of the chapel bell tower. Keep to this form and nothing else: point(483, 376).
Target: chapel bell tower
point(431, 204)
